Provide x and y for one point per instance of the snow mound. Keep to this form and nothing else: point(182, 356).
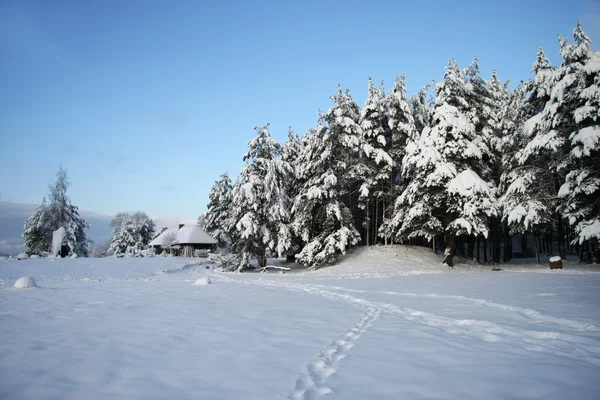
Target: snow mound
point(385, 261)
point(74, 255)
point(22, 256)
point(34, 256)
point(24, 283)
point(555, 259)
point(3, 258)
point(205, 280)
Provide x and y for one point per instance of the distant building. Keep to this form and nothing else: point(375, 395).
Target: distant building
point(183, 241)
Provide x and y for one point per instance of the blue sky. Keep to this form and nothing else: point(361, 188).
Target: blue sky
point(146, 103)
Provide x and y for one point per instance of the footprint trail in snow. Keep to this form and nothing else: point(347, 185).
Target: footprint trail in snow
point(313, 384)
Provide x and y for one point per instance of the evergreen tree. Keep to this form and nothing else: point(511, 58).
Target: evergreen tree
point(376, 164)
point(526, 184)
point(558, 125)
point(580, 108)
point(131, 231)
point(59, 213)
point(292, 149)
point(260, 206)
point(36, 233)
point(448, 191)
point(402, 131)
point(321, 217)
point(421, 109)
point(217, 221)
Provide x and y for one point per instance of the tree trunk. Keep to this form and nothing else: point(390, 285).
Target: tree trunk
point(450, 250)
point(485, 252)
point(376, 221)
point(596, 250)
point(471, 245)
point(478, 249)
point(385, 238)
point(262, 258)
point(507, 246)
point(497, 240)
point(560, 237)
point(537, 252)
point(368, 222)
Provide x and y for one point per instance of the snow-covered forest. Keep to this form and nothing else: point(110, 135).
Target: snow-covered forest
point(464, 172)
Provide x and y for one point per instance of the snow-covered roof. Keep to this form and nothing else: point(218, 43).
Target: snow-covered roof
point(187, 234)
point(191, 234)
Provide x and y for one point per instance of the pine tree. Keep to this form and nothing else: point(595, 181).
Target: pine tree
point(260, 206)
point(555, 126)
point(125, 236)
point(59, 213)
point(376, 164)
point(145, 226)
point(448, 191)
point(217, 215)
point(526, 184)
point(36, 234)
point(292, 149)
point(421, 109)
point(290, 155)
point(343, 121)
point(580, 107)
point(131, 231)
point(321, 217)
point(402, 131)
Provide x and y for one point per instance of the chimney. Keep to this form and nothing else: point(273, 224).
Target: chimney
point(181, 226)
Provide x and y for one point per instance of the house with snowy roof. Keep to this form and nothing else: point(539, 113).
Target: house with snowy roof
point(185, 241)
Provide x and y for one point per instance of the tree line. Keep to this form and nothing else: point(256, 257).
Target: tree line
point(464, 172)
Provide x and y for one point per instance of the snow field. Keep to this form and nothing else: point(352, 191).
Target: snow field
point(377, 328)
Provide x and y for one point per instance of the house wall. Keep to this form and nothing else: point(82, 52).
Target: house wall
point(179, 252)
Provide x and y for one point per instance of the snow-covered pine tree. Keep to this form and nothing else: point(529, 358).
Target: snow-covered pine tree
point(292, 149)
point(217, 221)
point(36, 233)
point(320, 217)
point(130, 231)
point(60, 212)
point(485, 112)
point(448, 191)
point(375, 166)
point(290, 154)
point(556, 125)
point(526, 185)
point(412, 215)
point(125, 235)
point(421, 108)
point(260, 205)
point(402, 131)
point(580, 108)
point(343, 120)
point(145, 226)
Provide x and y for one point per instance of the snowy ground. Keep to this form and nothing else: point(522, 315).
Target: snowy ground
point(387, 323)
